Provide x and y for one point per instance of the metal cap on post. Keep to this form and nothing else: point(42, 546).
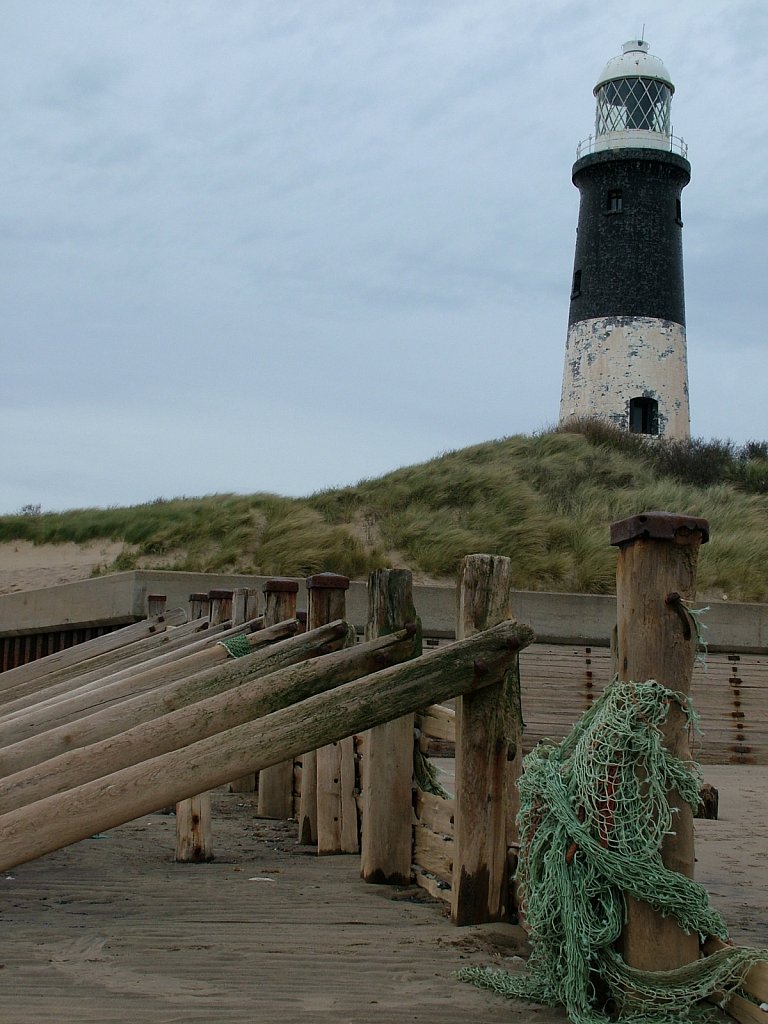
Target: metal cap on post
point(658, 526)
point(327, 581)
point(281, 585)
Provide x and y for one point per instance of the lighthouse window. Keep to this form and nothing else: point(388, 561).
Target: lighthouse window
point(615, 201)
point(643, 416)
point(679, 212)
point(576, 286)
point(633, 104)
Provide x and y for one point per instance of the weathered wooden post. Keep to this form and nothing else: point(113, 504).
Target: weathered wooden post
point(242, 602)
point(199, 606)
point(325, 774)
point(387, 768)
point(221, 606)
point(240, 606)
point(276, 783)
point(655, 576)
point(488, 738)
point(194, 826)
point(194, 841)
point(253, 604)
point(155, 605)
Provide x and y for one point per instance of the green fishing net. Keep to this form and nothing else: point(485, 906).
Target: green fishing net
point(594, 812)
point(237, 646)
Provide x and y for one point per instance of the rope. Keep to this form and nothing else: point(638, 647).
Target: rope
point(699, 627)
point(594, 811)
point(236, 646)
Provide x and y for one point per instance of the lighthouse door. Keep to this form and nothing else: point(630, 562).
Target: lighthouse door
point(643, 416)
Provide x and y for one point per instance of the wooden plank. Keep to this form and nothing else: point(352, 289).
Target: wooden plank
point(435, 812)
point(488, 753)
point(434, 853)
point(387, 760)
point(326, 595)
point(438, 722)
point(731, 687)
point(438, 890)
point(276, 782)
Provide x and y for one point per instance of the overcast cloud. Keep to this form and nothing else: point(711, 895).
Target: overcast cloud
point(285, 245)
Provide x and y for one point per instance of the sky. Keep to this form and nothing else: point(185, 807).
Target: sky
point(284, 245)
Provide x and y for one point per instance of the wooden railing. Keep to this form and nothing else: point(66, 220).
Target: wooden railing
point(154, 714)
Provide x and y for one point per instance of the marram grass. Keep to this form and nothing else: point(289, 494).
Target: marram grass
point(545, 500)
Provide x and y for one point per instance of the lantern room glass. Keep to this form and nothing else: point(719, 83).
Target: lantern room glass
point(626, 104)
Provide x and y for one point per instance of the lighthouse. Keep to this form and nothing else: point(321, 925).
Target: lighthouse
point(625, 357)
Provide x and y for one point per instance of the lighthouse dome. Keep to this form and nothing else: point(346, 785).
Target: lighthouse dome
point(635, 62)
point(633, 110)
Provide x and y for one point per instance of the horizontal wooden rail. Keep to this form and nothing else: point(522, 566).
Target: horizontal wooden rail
point(62, 709)
point(160, 701)
point(56, 821)
point(28, 675)
point(180, 641)
point(249, 700)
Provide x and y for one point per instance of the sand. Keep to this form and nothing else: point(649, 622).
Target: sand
point(27, 566)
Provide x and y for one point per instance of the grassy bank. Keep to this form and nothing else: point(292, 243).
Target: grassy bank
point(546, 501)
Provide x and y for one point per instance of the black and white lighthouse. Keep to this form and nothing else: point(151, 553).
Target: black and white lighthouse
point(625, 358)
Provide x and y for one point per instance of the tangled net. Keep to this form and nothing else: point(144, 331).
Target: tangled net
point(594, 812)
point(236, 646)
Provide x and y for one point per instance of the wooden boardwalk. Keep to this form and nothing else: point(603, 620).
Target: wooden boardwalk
point(111, 930)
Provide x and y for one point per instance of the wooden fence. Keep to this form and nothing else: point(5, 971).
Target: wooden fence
point(156, 714)
point(76, 710)
point(160, 712)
